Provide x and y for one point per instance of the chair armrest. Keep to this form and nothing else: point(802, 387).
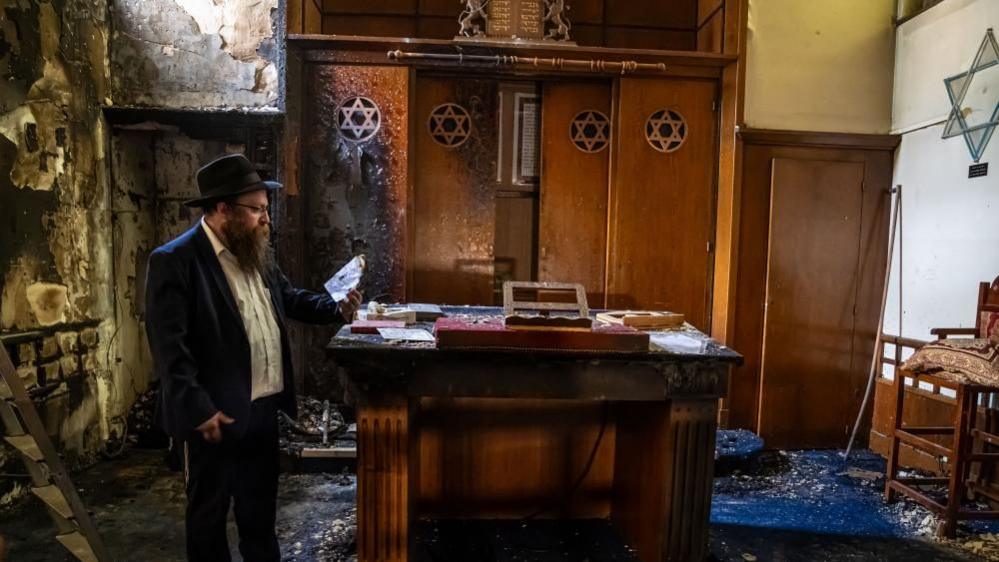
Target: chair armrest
point(944, 333)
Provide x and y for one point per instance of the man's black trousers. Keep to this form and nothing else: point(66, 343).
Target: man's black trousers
point(245, 470)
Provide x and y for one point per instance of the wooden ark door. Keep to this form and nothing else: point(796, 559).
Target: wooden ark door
point(807, 392)
point(453, 204)
point(575, 148)
point(662, 197)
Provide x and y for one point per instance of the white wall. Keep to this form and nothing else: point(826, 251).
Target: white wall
point(950, 224)
point(820, 65)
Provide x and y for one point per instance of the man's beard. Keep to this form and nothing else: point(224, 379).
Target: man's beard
point(251, 246)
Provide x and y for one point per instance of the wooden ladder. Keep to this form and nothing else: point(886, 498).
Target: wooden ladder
point(51, 483)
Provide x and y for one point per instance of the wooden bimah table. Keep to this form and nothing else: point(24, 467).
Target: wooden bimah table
point(517, 433)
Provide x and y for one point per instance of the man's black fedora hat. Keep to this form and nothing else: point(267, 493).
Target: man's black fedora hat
point(227, 176)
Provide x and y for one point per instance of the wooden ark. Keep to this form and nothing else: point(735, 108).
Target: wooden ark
point(632, 220)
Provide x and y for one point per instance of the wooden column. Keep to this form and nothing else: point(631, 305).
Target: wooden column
point(386, 466)
point(673, 444)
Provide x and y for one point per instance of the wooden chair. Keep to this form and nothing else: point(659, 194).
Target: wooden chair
point(969, 444)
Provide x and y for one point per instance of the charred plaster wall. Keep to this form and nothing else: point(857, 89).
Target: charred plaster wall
point(55, 220)
point(82, 204)
point(198, 54)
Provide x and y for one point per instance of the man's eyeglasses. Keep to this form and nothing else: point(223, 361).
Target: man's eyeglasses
point(259, 211)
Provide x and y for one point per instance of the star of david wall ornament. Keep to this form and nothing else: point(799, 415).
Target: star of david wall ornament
point(449, 125)
point(358, 119)
point(974, 99)
point(590, 131)
point(666, 130)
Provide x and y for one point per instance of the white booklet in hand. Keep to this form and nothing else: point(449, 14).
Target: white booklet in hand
point(345, 280)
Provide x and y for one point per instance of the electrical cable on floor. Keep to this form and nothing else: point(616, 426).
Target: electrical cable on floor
point(586, 469)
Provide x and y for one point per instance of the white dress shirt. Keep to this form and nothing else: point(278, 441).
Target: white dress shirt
point(255, 307)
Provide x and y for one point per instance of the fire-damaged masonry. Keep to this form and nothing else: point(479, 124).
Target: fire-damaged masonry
point(83, 200)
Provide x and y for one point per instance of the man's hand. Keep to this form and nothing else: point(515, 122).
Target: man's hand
point(211, 430)
point(350, 305)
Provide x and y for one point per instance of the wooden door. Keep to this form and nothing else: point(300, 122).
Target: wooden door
point(662, 203)
point(453, 204)
point(808, 397)
point(575, 148)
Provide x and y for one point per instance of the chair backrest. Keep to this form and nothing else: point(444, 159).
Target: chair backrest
point(987, 318)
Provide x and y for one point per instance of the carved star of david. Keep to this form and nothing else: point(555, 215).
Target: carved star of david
point(358, 119)
point(977, 136)
point(665, 130)
point(449, 124)
point(590, 131)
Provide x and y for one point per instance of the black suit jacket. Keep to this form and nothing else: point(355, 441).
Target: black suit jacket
point(200, 349)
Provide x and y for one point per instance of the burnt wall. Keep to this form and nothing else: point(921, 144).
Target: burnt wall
point(55, 221)
point(198, 54)
point(86, 193)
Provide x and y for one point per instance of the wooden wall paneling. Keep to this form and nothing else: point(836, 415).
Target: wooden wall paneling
point(401, 7)
point(447, 8)
point(650, 38)
point(662, 204)
point(711, 33)
point(573, 216)
point(807, 387)
point(669, 14)
point(437, 27)
point(707, 8)
point(588, 35)
point(537, 449)
point(873, 247)
point(295, 21)
point(454, 197)
point(750, 259)
point(313, 17)
point(366, 25)
point(665, 25)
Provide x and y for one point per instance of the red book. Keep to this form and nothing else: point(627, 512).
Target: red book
point(456, 332)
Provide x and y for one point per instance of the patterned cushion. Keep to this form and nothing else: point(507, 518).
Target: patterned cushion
point(989, 326)
point(965, 360)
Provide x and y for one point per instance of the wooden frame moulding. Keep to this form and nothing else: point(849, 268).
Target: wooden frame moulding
point(728, 193)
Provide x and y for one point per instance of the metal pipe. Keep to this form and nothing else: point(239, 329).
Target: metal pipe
point(872, 374)
point(553, 63)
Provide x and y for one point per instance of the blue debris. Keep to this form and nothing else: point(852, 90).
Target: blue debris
point(736, 449)
point(810, 505)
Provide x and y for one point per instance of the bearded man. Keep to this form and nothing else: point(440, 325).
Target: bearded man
point(216, 306)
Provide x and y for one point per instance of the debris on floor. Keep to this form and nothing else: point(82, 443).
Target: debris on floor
point(786, 506)
point(736, 449)
point(985, 545)
point(812, 505)
point(320, 425)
